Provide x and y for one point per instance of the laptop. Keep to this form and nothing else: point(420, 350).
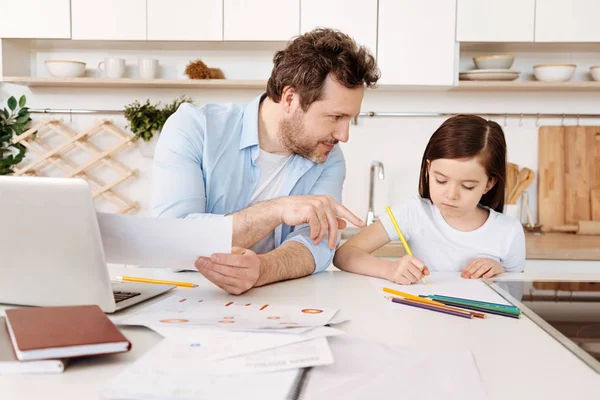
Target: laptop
point(51, 250)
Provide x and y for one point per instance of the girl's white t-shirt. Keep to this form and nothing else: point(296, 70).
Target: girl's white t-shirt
point(443, 248)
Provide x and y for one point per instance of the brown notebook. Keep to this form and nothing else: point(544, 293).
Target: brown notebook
point(39, 333)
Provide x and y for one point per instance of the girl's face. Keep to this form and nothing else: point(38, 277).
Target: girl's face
point(456, 186)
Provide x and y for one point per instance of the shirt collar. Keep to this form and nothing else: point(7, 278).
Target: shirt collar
point(250, 123)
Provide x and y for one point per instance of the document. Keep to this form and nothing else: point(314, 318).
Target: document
point(163, 242)
point(177, 370)
point(228, 314)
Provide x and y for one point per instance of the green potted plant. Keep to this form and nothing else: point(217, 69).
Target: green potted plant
point(146, 121)
point(12, 122)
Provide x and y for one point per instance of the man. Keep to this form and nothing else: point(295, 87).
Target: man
point(274, 165)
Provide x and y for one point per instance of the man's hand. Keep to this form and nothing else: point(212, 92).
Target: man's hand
point(321, 212)
point(235, 273)
point(482, 268)
point(407, 270)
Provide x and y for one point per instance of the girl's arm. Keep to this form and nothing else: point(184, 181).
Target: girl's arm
point(355, 255)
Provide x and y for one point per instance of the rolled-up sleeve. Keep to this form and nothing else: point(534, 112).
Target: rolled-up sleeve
point(330, 183)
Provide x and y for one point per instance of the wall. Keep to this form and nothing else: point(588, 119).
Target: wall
point(397, 142)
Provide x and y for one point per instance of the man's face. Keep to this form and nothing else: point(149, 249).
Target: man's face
point(312, 134)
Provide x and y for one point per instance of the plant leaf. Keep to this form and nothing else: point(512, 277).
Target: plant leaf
point(12, 103)
point(22, 101)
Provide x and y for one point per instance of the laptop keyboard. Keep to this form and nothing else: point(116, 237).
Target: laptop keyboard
point(121, 296)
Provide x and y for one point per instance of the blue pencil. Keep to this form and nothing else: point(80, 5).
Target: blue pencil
point(432, 296)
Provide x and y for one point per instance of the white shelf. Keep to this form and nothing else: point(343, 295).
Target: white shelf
point(136, 83)
point(261, 84)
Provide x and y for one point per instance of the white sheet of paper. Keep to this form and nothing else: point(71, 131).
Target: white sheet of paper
point(220, 344)
point(371, 370)
point(445, 284)
point(232, 315)
point(176, 370)
point(163, 242)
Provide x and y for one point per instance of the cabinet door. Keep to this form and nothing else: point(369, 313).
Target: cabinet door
point(495, 20)
point(357, 18)
point(108, 19)
point(48, 19)
point(416, 42)
point(185, 20)
point(567, 21)
point(262, 20)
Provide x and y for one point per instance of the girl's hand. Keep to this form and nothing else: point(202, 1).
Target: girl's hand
point(407, 270)
point(482, 268)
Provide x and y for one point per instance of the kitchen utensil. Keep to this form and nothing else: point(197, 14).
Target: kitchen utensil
point(595, 203)
point(595, 72)
point(489, 75)
point(551, 174)
point(65, 68)
point(580, 228)
point(512, 170)
point(554, 72)
point(524, 179)
point(494, 62)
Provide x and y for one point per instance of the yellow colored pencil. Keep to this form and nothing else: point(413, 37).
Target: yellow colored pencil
point(146, 280)
point(400, 235)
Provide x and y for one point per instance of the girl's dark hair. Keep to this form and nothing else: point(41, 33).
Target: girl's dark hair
point(468, 136)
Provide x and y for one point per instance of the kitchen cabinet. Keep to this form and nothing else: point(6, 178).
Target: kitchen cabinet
point(417, 43)
point(261, 20)
point(185, 20)
point(108, 19)
point(357, 18)
point(495, 20)
point(48, 19)
point(567, 21)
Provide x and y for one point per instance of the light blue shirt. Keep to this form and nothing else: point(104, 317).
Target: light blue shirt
point(205, 165)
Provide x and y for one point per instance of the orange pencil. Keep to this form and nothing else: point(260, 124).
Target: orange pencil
point(410, 297)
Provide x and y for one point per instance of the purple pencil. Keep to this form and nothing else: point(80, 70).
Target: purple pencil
point(428, 307)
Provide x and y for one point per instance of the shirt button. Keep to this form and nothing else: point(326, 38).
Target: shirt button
point(250, 180)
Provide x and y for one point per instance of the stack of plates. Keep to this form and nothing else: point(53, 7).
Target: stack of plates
point(489, 75)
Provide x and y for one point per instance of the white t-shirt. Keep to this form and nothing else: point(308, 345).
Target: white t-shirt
point(443, 248)
point(273, 169)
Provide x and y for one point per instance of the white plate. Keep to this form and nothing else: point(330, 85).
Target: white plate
point(487, 71)
point(488, 76)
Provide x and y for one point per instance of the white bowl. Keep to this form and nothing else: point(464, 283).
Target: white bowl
point(554, 72)
point(494, 62)
point(595, 72)
point(65, 69)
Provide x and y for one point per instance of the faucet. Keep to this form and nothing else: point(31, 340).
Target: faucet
point(375, 165)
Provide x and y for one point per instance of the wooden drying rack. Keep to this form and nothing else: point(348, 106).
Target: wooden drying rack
point(32, 139)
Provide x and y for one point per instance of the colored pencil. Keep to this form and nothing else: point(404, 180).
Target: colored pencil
point(431, 307)
point(431, 296)
point(488, 310)
point(408, 296)
point(401, 236)
point(482, 306)
point(156, 281)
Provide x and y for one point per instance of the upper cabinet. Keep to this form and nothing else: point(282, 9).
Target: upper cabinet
point(109, 19)
point(261, 20)
point(48, 19)
point(416, 42)
point(357, 18)
point(495, 20)
point(567, 21)
point(185, 20)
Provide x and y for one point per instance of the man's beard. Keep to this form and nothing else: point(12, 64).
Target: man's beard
point(292, 135)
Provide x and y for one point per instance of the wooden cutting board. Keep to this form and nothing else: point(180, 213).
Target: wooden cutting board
point(551, 175)
point(569, 171)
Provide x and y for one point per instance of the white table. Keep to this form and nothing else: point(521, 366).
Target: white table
point(516, 358)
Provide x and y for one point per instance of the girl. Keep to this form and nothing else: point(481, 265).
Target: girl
point(456, 224)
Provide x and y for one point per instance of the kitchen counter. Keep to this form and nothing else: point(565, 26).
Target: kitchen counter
point(546, 246)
